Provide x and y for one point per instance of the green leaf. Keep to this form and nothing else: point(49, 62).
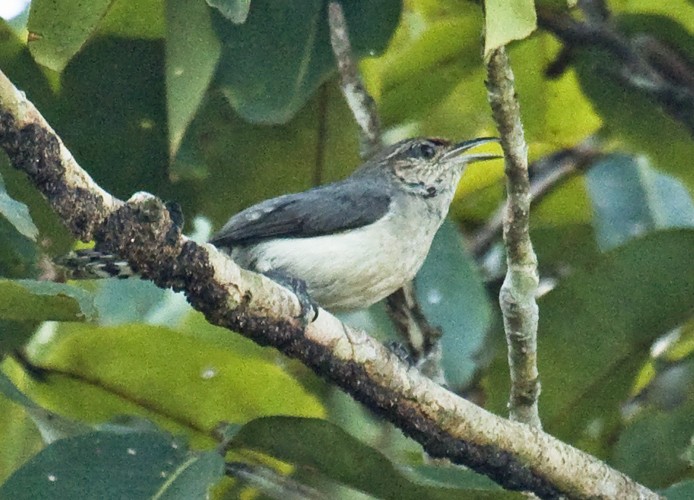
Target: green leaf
point(51, 425)
point(411, 78)
point(303, 443)
point(452, 296)
point(17, 213)
point(61, 28)
point(257, 163)
point(506, 21)
point(10, 391)
point(633, 116)
point(596, 329)
point(652, 446)
point(164, 375)
point(630, 198)
point(235, 11)
point(192, 52)
point(292, 41)
point(24, 300)
point(117, 86)
point(115, 465)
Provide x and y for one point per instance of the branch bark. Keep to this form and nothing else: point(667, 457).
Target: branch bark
point(143, 231)
point(517, 295)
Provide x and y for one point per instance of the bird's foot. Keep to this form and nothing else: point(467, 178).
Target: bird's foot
point(401, 351)
point(309, 308)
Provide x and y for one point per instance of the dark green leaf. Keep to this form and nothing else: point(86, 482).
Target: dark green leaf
point(292, 41)
point(652, 446)
point(192, 52)
point(112, 113)
point(24, 300)
point(630, 199)
point(452, 295)
point(235, 11)
point(114, 465)
point(632, 115)
point(596, 329)
point(454, 477)
point(18, 255)
point(303, 443)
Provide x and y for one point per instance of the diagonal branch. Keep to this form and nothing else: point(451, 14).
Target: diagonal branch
point(143, 231)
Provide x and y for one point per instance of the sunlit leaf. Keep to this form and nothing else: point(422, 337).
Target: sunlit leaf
point(61, 28)
point(158, 372)
point(506, 21)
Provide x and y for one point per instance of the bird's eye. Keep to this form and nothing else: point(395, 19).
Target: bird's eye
point(425, 150)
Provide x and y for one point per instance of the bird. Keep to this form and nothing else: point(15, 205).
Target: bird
point(349, 244)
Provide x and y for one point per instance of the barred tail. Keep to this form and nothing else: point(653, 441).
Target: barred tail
point(92, 264)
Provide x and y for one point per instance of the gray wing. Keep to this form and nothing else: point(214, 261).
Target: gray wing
point(323, 210)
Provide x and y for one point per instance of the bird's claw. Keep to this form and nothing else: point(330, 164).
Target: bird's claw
point(309, 308)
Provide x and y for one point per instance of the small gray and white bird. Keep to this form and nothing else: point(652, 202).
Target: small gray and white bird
point(344, 245)
point(355, 241)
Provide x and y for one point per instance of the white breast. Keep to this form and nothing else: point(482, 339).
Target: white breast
point(352, 269)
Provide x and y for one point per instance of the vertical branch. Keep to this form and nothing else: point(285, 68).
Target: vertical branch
point(358, 99)
point(517, 296)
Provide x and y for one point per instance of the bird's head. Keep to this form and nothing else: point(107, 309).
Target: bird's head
point(429, 166)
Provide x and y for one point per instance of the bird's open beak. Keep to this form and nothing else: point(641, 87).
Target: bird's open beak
point(464, 146)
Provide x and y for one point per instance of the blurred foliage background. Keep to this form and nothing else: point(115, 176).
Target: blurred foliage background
point(219, 104)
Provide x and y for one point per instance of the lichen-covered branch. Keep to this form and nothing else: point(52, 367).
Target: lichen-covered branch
point(517, 295)
point(145, 233)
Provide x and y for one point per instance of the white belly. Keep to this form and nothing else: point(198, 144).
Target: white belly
point(349, 270)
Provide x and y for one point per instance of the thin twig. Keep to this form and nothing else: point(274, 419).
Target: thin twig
point(360, 102)
point(143, 232)
point(554, 170)
point(271, 483)
point(422, 338)
point(651, 68)
point(517, 295)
